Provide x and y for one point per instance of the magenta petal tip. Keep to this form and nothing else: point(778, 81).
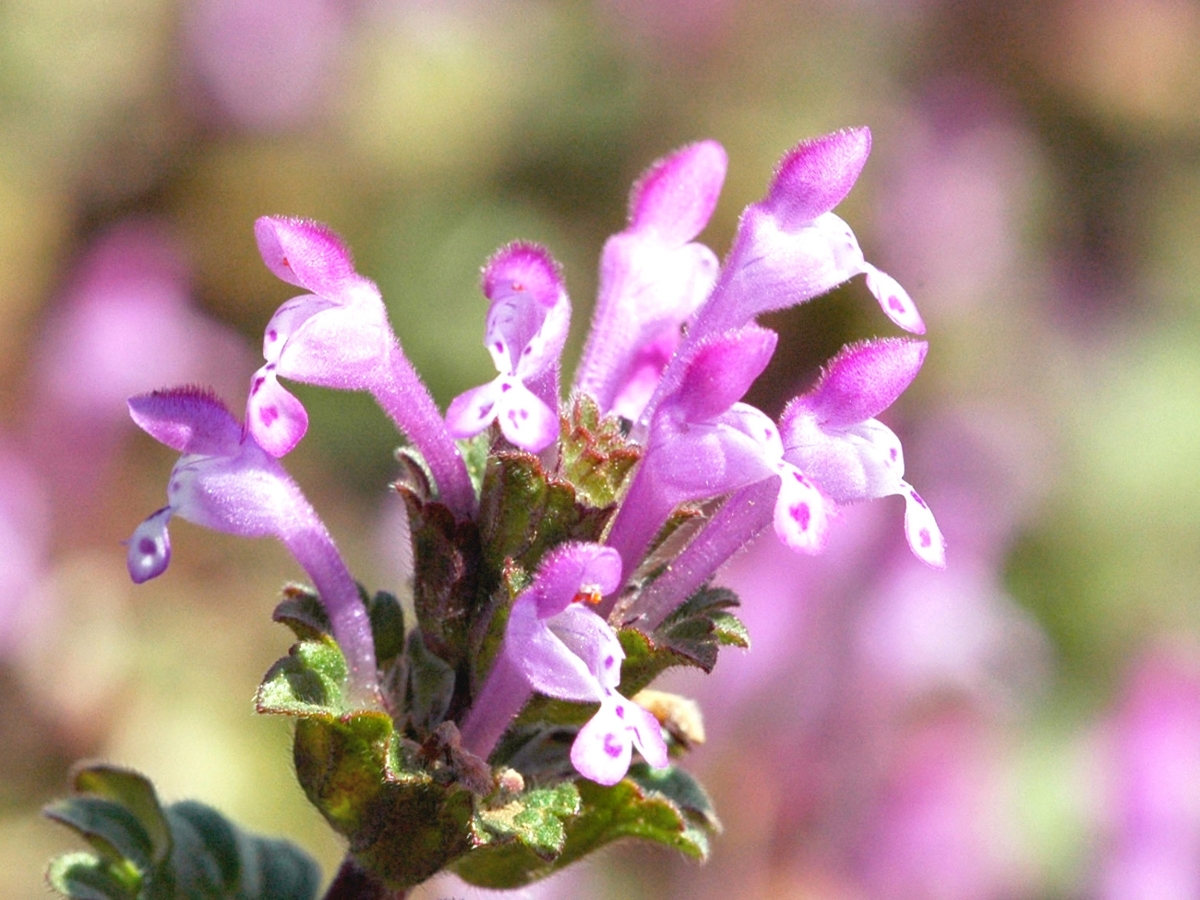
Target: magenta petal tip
point(188, 419)
point(676, 195)
point(816, 175)
point(304, 253)
point(523, 268)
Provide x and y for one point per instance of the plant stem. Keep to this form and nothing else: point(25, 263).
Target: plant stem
point(353, 882)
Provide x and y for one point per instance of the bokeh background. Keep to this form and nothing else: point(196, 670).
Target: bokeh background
point(1023, 725)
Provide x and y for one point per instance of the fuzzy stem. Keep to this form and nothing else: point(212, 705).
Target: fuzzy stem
point(504, 694)
point(639, 519)
point(403, 396)
point(314, 549)
point(742, 518)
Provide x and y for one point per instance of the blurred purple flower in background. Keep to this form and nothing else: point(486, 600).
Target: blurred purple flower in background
point(1152, 848)
point(265, 64)
point(125, 324)
point(24, 553)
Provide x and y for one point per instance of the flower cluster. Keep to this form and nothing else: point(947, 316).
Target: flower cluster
point(543, 613)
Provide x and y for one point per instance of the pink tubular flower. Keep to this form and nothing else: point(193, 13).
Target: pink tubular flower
point(790, 248)
point(652, 279)
point(338, 336)
point(558, 646)
point(225, 481)
point(527, 326)
point(703, 443)
point(830, 434)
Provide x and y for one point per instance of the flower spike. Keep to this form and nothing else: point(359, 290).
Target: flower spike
point(526, 328)
point(225, 481)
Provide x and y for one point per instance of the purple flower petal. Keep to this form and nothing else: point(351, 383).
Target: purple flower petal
point(921, 529)
point(864, 379)
point(829, 435)
point(647, 734)
point(676, 196)
point(472, 411)
point(720, 371)
point(547, 664)
point(527, 326)
point(652, 279)
point(801, 518)
point(698, 460)
point(274, 416)
point(529, 314)
point(894, 300)
point(525, 420)
point(603, 748)
point(344, 345)
point(304, 253)
point(816, 175)
point(225, 481)
point(790, 247)
point(860, 462)
point(591, 639)
point(571, 569)
point(189, 419)
point(149, 549)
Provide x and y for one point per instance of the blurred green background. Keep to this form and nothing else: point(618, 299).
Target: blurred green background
point(1034, 183)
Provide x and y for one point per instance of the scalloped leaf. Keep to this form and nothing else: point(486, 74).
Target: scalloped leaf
point(187, 851)
point(536, 819)
point(595, 454)
point(678, 786)
point(309, 681)
point(606, 814)
point(693, 636)
point(701, 626)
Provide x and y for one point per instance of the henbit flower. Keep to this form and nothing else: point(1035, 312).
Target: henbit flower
point(527, 325)
point(338, 336)
point(703, 443)
point(831, 435)
point(652, 279)
point(556, 645)
point(225, 481)
point(790, 248)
